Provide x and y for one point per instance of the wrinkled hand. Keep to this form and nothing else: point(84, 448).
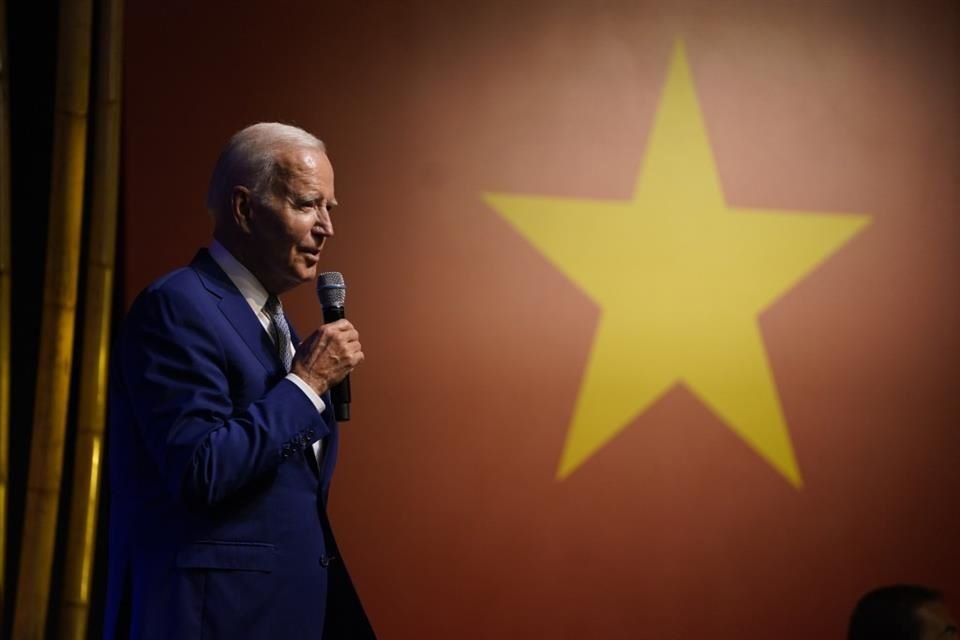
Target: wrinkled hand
point(328, 355)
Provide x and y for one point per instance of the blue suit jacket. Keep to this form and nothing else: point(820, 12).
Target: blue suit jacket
point(218, 525)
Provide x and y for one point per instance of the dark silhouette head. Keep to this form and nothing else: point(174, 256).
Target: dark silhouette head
point(901, 612)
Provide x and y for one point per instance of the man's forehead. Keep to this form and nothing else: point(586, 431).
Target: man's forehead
point(304, 163)
point(938, 621)
point(299, 156)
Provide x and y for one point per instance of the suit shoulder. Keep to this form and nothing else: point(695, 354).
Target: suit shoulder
point(182, 279)
point(181, 289)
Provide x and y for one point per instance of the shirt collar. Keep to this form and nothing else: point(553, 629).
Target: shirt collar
point(250, 288)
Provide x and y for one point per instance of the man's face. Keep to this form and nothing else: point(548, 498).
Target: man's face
point(290, 224)
point(938, 624)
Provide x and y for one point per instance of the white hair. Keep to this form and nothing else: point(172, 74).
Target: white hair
point(250, 159)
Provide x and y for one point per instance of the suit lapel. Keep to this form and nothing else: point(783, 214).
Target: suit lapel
point(236, 310)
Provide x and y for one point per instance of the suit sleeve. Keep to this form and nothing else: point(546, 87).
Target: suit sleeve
point(176, 377)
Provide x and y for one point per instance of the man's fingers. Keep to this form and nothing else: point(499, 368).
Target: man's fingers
point(338, 325)
point(328, 355)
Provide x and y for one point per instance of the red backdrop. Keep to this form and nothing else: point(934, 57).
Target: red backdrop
point(446, 499)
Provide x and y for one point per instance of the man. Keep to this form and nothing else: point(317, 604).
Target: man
point(902, 612)
point(222, 438)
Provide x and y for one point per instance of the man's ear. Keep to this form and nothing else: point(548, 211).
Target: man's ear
point(241, 207)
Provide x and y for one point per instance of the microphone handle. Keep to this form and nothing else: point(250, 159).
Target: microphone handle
point(340, 392)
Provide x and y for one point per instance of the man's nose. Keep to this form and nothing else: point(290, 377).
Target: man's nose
point(324, 225)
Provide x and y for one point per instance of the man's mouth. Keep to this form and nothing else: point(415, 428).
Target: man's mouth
point(312, 256)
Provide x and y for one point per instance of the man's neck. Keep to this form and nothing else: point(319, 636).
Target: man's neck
point(239, 253)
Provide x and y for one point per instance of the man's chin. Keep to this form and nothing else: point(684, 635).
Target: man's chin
point(308, 273)
point(299, 277)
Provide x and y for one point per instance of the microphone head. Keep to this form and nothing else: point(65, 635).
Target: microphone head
point(331, 289)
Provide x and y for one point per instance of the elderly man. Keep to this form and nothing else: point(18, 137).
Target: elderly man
point(222, 439)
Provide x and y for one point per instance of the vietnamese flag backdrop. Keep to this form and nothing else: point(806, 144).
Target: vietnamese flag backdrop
point(452, 506)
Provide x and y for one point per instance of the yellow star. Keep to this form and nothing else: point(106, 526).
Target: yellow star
point(680, 278)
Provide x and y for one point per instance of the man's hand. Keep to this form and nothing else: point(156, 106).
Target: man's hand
point(328, 355)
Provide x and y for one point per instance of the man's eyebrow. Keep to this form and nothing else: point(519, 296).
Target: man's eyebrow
point(308, 197)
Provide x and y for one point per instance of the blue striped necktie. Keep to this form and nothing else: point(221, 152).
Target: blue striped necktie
point(279, 330)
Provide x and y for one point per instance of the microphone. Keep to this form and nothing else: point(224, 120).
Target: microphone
point(332, 293)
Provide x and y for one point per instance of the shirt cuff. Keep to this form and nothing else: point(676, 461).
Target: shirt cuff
point(307, 391)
